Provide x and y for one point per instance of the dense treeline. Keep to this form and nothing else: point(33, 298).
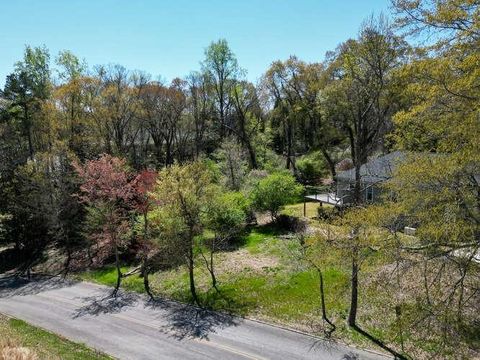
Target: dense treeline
point(106, 163)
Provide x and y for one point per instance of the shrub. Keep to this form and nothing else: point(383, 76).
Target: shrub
point(291, 223)
point(227, 213)
point(311, 168)
point(275, 191)
point(327, 213)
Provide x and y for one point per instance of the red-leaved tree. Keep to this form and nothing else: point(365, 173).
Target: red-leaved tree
point(108, 191)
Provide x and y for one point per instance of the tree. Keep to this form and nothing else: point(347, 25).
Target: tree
point(71, 99)
point(201, 107)
point(182, 194)
point(280, 84)
point(163, 108)
point(363, 91)
point(295, 89)
point(65, 213)
point(107, 191)
point(114, 105)
point(27, 87)
point(248, 118)
point(223, 71)
point(275, 191)
point(225, 215)
point(438, 195)
point(3, 218)
point(309, 251)
point(436, 189)
point(142, 203)
point(232, 163)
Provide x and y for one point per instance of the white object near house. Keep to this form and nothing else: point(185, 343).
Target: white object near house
point(409, 231)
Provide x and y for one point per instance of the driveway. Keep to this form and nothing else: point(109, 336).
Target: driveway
point(130, 327)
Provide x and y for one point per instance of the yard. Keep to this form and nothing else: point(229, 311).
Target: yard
point(264, 278)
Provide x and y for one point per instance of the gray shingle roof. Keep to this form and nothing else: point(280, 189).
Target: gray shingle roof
point(375, 170)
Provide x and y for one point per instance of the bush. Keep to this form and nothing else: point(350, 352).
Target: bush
point(290, 223)
point(311, 168)
point(327, 213)
point(275, 191)
point(227, 213)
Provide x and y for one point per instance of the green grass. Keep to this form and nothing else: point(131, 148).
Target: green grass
point(108, 276)
point(45, 344)
point(255, 239)
point(297, 209)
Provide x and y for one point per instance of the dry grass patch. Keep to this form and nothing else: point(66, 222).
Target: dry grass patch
point(25, 342)
point(11, 350)
point(240, 260)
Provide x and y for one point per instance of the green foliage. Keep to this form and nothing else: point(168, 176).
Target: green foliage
point(231, 160)
point(182, 194)
point(311, 167)
point(275, 191)
point(227, 212)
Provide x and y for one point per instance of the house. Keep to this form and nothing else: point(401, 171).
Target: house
point(372, 174)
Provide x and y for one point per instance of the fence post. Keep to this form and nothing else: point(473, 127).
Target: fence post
point(305, 203)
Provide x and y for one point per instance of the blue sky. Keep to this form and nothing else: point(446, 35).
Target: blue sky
point(168, 37)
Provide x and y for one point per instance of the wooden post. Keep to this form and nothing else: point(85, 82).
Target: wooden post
point(305, 203)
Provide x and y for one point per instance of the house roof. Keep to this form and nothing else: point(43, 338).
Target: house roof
point(375, 170)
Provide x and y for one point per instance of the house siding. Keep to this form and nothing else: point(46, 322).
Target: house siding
point(345, 191)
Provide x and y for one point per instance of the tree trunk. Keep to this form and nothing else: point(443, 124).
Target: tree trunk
point(212, 270)
point(330, 162)
point(252, 155)
point(191, 275)
point(352, 316)
point(357, 191)
point(146, 281)
point(119, 272)
point(29, 133)
point(168, 154)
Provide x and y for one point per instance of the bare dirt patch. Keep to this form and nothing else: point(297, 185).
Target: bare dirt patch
point(242, 259)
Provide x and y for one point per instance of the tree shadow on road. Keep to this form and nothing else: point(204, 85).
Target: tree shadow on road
point(104, 303)
point(13, 285)
point(187, 321)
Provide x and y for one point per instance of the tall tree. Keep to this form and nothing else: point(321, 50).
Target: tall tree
point(248, 118)
point(201, 108)
point(70, 97)
point(182, 194)
point(363, 92)
point(163, 108)
point(114, 105)
point(294, 88)
point(27, 87)
point(223, 71)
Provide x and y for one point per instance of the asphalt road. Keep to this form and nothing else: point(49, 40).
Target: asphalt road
point(132, 328)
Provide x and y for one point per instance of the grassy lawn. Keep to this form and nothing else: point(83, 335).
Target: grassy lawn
point(297, 209)
point(46, 345)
